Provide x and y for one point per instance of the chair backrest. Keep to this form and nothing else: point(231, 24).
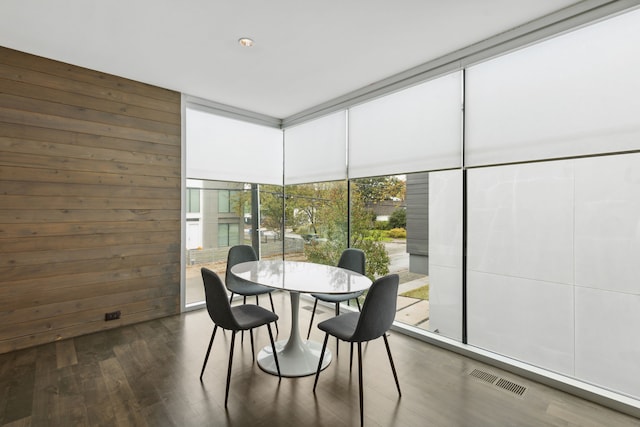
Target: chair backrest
point(379, 309)
point(237, 254)
point(353, 259)
point(217, 302)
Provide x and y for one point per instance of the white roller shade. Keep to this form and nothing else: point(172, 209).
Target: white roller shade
point(316, 151)
point(576, 94)
point(416, 129)
point(224, 149)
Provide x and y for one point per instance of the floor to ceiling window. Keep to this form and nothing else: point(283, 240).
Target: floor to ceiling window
point(271, 238)
point(552, 204)
point(403, 149)
point(233, 193)
point(316, 221)
point(411, 225)
point(217, 218)
point(517, 213)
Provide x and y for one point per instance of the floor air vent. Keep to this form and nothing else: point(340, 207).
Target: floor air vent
point(511, 386)
point(484, 376)
point(496, 381)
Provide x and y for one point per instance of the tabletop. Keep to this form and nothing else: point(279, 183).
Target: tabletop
point(304, 277)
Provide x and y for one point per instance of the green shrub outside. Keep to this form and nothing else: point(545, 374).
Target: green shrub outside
point(397, 233)
point(381, 225)
point(398, 219)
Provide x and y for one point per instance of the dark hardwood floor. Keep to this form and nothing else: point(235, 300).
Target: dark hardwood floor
point(147, 375)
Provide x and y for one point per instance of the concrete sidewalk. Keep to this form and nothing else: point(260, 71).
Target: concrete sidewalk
point(413, 311)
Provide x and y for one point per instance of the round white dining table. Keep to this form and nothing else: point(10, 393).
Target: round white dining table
point(297, 357)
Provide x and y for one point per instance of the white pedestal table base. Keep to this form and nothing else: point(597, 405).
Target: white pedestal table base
point(297, 358)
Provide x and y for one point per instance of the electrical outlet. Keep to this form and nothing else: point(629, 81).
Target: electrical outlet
point(114, 315)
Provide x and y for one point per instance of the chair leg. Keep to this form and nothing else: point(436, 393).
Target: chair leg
point(337, 340)
point(393, 368)
point(257, 300)
point(350, 356)
point(273, 347)
point(324, 347)
point(244, 301)
point(274, 310)
point(206, 358)
point(231, 298)
point(360, 384)
point(358, 302)
point(226, 393)
point(313, 313)
point(253, 353)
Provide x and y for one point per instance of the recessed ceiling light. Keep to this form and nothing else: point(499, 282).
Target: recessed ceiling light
point(245, 42)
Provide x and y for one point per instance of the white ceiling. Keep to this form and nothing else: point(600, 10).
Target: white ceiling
point(306, 53)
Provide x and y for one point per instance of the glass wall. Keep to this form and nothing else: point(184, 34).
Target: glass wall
point(528, 220)
point(379, 224)
point(225, 218)
point(552, 271)
point(225, 159)
point(411, 225)
point(316, 221)
point(394, 143)
point(445, 250)
point(216, 220)
point(553, 238)
point(271, 236)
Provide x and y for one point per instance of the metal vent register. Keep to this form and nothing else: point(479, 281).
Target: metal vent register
point(501, 383)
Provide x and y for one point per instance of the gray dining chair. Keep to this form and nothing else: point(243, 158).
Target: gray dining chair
point(351, 259)
point(375, 319)
point(238, 254)
point(240, 318)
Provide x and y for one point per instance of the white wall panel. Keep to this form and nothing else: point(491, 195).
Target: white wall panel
point(416, 129)
point(607, 344)
point(571, 95)
point(316, 151)
point(528, 320)
point(608, 223)
point(520, 221)
point(224, 149)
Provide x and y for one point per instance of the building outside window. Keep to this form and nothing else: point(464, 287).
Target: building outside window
point(228, 235)
point(193, 200)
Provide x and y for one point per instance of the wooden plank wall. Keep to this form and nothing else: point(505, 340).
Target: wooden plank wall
point(89, 200)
